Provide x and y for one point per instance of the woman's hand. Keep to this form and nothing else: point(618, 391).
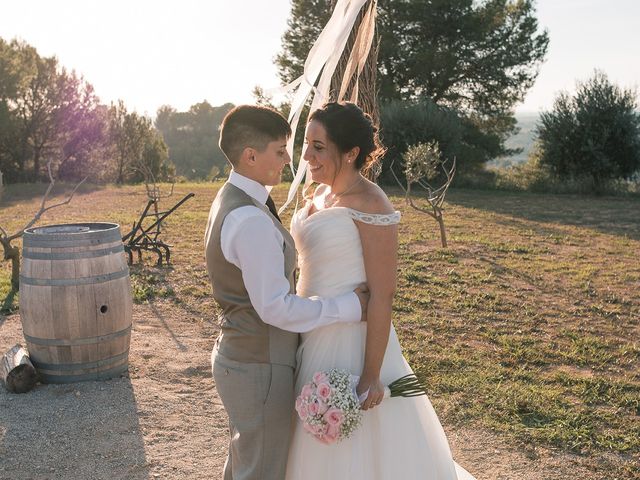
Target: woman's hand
point(376, 392)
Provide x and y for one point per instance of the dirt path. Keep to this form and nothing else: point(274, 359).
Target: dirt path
point(166, 421)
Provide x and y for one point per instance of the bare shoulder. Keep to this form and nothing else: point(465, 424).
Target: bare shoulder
point(371, 199)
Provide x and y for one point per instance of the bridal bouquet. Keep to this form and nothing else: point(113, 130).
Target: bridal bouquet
point(329, 406)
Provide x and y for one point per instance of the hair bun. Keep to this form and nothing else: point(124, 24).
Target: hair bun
point(348, 126)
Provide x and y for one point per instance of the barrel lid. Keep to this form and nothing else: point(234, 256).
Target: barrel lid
point(61, 229)
point(72, 231)
point(72, 228)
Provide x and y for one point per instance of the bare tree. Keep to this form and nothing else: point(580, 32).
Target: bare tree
point(151, 184)
point(154, 154)
point(12, 252)
point(422, 163)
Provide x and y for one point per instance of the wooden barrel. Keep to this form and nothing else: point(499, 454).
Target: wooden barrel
point(75, 301)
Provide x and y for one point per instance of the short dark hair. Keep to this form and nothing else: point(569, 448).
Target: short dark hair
point(348, 126)
point(250, 126)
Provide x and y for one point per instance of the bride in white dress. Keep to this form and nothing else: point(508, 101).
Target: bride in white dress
point(345, 236)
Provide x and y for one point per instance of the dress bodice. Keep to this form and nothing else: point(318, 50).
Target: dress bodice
point(329, 249)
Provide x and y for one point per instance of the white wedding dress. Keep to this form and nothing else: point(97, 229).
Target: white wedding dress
point(401, 438)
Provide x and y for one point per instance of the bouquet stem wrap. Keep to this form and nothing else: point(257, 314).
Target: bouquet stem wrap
point(407, 386)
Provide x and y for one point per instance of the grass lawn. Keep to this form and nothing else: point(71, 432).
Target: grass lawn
point(527, 325)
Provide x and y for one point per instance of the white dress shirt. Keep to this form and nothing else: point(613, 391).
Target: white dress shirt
point(251, 242)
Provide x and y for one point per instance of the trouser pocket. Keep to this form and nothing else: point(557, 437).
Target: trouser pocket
point(243, 387)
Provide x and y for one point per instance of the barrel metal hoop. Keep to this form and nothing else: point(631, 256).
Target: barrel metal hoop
point(37, 234)
point(71, 255)
point(105, 375)
point(66, 241)
point(80, 366)
point(55, 342)
point(68, 282)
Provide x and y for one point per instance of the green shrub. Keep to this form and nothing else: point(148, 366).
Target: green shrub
point(535, 176)
point(593, 137)
point(405, 123)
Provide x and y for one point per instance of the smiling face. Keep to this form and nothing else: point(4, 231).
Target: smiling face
point(268, 163)
point(322, 154)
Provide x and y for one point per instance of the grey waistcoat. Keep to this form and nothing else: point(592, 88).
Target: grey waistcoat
point(245, 337)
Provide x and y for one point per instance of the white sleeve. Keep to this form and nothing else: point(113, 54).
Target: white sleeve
point(250, 241)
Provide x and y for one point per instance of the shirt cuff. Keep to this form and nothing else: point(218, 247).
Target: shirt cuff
point(349, 309)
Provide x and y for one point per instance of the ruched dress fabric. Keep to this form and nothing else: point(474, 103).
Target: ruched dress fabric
point(402, 438)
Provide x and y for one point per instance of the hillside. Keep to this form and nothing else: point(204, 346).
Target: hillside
point(524, 139)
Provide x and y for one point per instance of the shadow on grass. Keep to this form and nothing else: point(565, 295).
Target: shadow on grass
point(609, 215)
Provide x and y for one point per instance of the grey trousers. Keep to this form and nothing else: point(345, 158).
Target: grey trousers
point(259, 400)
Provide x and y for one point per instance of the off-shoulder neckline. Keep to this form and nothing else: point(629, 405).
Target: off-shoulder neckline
point(378, 215)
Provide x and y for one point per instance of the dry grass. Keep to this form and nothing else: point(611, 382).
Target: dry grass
point(527, 325)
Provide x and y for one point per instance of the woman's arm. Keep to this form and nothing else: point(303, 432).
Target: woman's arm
point(380, 251)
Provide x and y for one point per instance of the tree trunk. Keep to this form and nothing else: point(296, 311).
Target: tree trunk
point(22, 157)
point(36, 164)
point(15, 268)
point(17, 373)
point(12, 253)
point(598, 184)
point(443, 232)
point(120, 179)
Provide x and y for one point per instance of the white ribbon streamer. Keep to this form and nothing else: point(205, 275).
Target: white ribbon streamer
point(321, 62)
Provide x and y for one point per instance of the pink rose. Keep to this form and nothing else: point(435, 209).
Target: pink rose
point(333, 432)
point(314, 408)
point(303, 412)
point(333, 417)
point(324, 391)
point(321, 429)
point(316, 430)
point(322, 407)
point(307, 391)
point(329, 436)
point(309, 428)
point(320, 377)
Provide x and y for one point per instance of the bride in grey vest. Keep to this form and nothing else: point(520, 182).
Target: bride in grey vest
point(345, 235)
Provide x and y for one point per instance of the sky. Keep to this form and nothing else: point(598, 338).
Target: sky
point(151, 53)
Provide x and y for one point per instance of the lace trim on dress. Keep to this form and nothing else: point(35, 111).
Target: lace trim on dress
point(375, 218)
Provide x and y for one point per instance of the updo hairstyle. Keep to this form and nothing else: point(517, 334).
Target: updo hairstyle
point(348, 126)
